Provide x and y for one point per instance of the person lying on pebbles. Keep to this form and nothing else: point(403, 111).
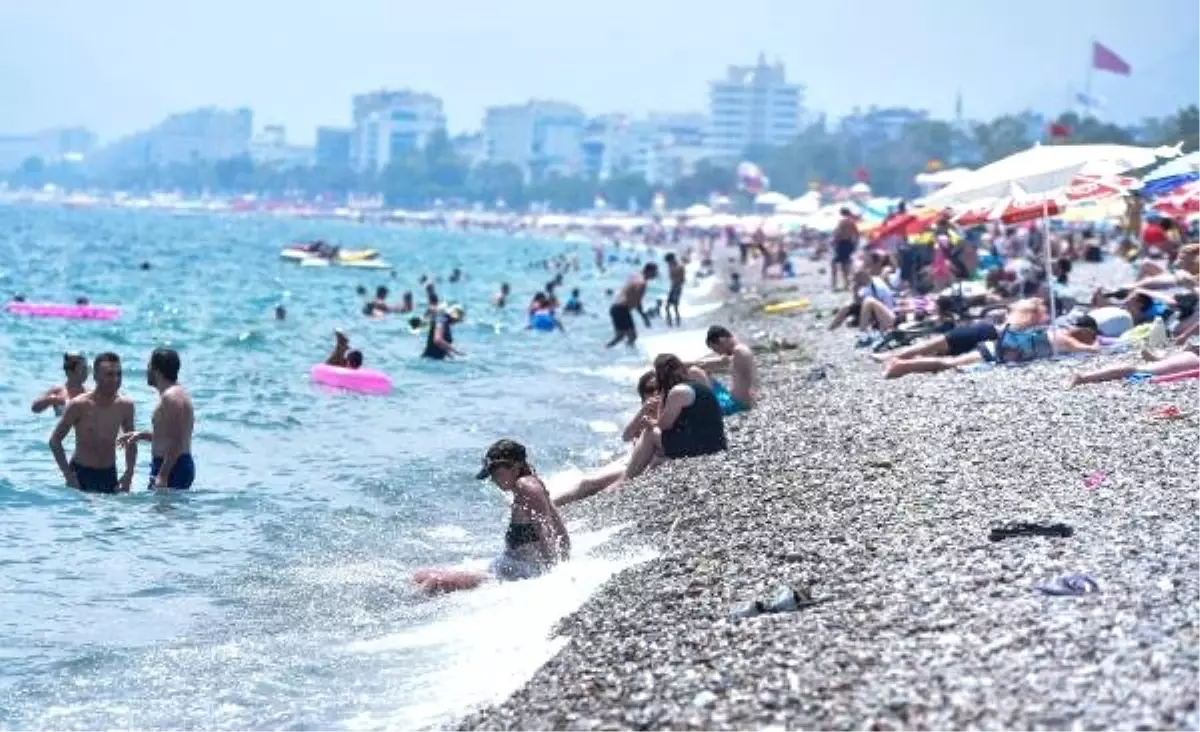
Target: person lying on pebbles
point(590, 485)
point(1023, 338)
point(1157, 364)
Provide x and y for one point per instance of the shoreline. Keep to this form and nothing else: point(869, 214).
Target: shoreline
point(879, 495)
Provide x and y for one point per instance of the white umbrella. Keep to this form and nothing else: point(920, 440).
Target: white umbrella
point(1042, 168)
point(697, 209)
point(809, 203)
point(770, 198)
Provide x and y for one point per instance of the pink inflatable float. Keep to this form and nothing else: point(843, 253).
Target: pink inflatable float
point(1178, 376)
point(365, 381)
point(53, 310)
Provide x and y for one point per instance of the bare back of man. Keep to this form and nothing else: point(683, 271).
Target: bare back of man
point(172, 425)
point(743, 375)
point(627, 300)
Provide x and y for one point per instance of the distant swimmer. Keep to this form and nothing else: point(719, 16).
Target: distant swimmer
point(98, 417)
point(536, 538)
point(628, 299)
point(406, 303)
point(542, 316)
point(440, 343)
point(81, 301)
point(18, 298)
point(280, 312)
point(574, 305)
point(171, 426)
point(341, 344)
point(434, 301)
point(145, 266)
point(378, 307)
point(57, 396)
point(551, 298)
point(501, 296)
point(455, 275)
point(677, 276)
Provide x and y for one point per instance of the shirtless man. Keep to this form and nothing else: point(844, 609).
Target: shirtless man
point(170, 435)
point(677, 275)
point(341, 344)
point(628, 299)
point(97, 417)
point(58, 395)
point(736, 358)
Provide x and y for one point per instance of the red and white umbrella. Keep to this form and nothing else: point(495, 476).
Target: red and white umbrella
point(1020, 207)
point(1180, 204)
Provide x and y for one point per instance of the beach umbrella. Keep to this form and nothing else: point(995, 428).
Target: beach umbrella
point(809, 203)
point(1043, 168)
point(696, 210)
point(1182, 203)
point(1172, 174)
point(770, 198)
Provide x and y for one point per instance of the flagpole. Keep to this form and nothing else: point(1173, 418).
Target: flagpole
point(1087, 78)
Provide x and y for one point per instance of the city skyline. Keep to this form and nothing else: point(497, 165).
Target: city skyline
point(126, 65)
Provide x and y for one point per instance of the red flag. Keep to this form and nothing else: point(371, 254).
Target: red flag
point(862, 176)
point(1059, 131)
point(1105, 59)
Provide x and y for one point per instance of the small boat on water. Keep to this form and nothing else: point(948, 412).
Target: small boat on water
point(320, 254)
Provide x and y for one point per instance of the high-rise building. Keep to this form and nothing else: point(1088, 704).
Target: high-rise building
point(63, 144)
point(608, 146)
point(753, 105)
point(669, 145)
point(542, 138)
point(271, 146)
point(333, 147)
point(207, 133)
point(388, 124)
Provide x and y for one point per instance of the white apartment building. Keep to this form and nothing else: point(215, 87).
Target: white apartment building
point(753, 105)
point(609, 144)
point(198, 135)
point(541, 138)
point(667, 146)
point(270, 146)
point(388, 124)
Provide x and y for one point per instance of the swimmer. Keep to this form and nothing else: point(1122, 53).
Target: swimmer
point(171, 426)
point(536, 538)
point(573, 305)
point(455, 275)
point(81, 301)
point(540, 309)
point(360, 291)
point(440, 343)
point(18, 298)
point(354, 359)
point(57, 396)
point(280, 312)
point(677, 275)
point(145, 266)
point(341, 344)
point(97, 417)
point(378, 307)
point(406, 303)
point(501, 296)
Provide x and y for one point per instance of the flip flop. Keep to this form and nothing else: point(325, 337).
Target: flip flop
point(1071, 585)
point(1008, 531)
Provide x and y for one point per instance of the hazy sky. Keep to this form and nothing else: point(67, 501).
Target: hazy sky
point(121, 65)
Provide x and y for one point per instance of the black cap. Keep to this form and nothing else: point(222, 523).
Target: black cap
point(501, 451)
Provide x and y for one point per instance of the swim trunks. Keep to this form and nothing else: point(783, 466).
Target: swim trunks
point(964, 338)
point(729, 405)
point(842, 251)
point(622, 319)
point(510, 568)
point(675, 294)
point(96, 480)
point(183, 473)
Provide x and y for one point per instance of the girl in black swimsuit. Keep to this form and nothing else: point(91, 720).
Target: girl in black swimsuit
point(536, 538)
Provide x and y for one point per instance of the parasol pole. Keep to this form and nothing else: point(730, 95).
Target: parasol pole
point(1049, 268)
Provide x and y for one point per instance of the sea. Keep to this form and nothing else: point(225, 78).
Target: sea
point(276, 593)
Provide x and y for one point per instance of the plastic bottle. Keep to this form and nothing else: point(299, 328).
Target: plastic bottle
point(1158, 334)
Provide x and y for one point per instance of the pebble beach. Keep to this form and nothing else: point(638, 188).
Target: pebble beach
point(876, 498)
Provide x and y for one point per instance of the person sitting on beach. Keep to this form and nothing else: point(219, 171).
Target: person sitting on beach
point(501, 296)
point(57, 396)
point(590, 485)
point(573, 305)
point(1024, 338)
point(440, 343)
point(736, 358)
point(536, 538)
point(341, 344)
point(627, 300)
point(689, 421)
point(873, 304)
point(1156, 365)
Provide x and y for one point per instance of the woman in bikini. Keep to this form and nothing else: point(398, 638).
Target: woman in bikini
point(536, 538)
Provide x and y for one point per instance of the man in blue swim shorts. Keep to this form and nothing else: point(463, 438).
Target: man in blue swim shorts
point(736, 358)
point(170, 436)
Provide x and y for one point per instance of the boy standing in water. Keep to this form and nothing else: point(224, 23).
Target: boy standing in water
point(676, 274)
point(97, 417)
point(57, 396)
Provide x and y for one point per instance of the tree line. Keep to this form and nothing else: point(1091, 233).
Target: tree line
point(823, 153)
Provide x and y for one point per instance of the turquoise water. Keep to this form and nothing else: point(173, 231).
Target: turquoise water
point(274, 595)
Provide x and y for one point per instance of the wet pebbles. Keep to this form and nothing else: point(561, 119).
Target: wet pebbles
point(880, 495)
